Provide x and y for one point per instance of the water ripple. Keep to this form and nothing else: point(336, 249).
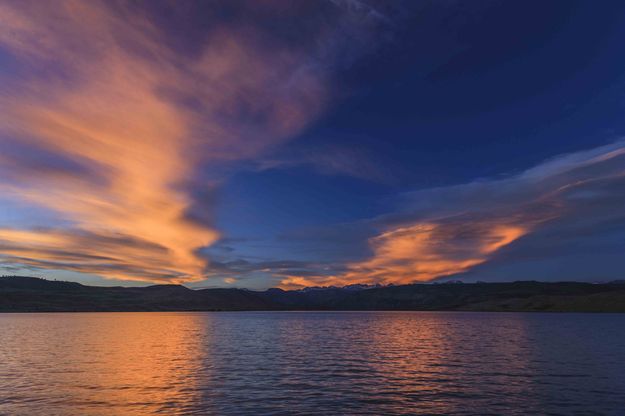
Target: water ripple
point(351, 363)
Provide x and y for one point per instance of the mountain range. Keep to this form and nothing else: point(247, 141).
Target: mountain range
point(30, 294)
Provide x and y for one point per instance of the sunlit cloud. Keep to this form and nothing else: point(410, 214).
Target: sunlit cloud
point(122, 136)
point(420, 252)
point(124, 122)
point(113, 256)
point(451, 230)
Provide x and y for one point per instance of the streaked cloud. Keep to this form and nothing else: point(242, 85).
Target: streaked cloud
point(451, 230)
point(123, 122)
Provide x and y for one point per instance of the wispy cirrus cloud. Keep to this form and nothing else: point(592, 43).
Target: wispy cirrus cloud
point(331, 160)
point(123, 120)
point(451, 230)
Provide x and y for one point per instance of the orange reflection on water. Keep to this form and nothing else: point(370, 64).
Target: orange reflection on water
point(133, 364)
point(438, 354)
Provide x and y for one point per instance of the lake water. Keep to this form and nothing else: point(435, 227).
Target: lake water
point(332, 363)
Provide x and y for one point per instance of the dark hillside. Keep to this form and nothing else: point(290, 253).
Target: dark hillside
point(28, 294)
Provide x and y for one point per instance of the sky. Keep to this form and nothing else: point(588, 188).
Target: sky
point(258, 144)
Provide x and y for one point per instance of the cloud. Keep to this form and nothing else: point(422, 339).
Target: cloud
point(118, 117)
point(331, 159)
point(123, 121)
point(110, 255)
point(451, 230)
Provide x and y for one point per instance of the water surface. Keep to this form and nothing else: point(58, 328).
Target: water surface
point(284, 363)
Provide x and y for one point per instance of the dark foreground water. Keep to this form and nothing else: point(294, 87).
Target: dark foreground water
point(383, 363)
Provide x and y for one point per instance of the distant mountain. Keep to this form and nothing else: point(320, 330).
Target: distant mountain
point(29, 294)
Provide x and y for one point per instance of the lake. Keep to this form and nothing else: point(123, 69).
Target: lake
point(327, 363)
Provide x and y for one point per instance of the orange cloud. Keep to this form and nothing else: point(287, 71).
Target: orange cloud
point(102, 91)
point(421, 252)
point(108, 255)
point(459, 227)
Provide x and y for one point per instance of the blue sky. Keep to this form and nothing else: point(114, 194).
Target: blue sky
point(285, 144)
